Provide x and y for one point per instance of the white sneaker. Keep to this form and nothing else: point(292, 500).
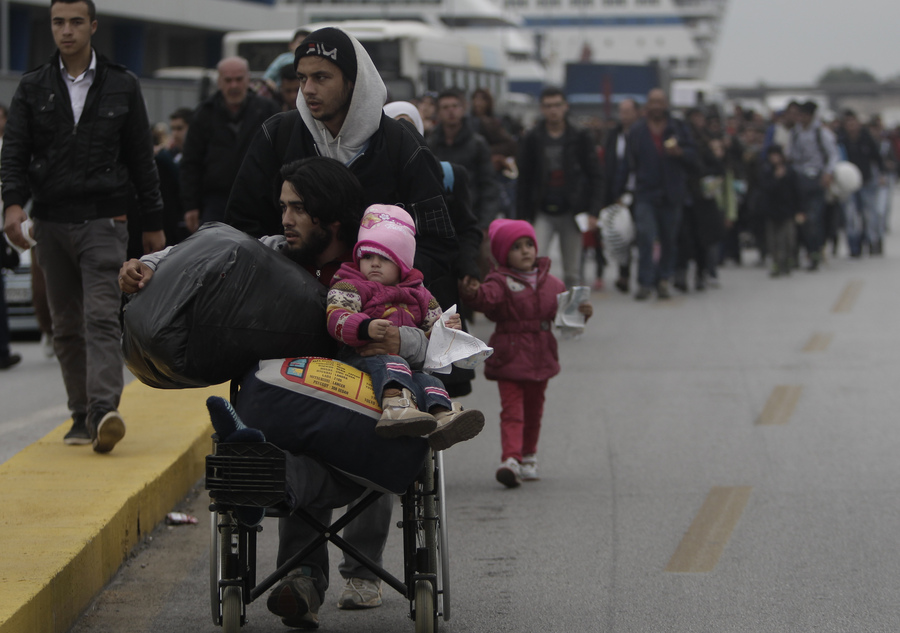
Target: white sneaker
point(528, 469)
point(509, 474)
point(47, 346)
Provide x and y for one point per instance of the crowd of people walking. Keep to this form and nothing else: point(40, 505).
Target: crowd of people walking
point(485, 200)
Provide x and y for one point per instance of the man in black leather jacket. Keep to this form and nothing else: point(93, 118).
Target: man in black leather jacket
point(77, 140)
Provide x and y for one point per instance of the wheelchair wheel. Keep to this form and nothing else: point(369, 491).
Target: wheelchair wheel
point(231, 609)
point(425, 616)
point(443, 541)
point(223, 566)
point(214, 566)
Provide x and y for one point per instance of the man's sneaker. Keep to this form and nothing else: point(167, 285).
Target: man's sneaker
point(360, 593)
point(11, 360)
point(509, 474)
point(107, 432)
point(528, 469)
point(47, 346)
point(400, 417)
point(643, 293)
point(78, 434)
point(662, 290)
point(456, 425)
point(296, 601)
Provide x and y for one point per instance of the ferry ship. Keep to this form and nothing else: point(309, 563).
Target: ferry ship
point(539, 37)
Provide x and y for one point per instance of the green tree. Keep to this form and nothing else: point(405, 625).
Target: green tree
point(846, 75)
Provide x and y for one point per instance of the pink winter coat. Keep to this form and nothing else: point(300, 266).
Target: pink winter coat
point(524, 345)
point(354, 300)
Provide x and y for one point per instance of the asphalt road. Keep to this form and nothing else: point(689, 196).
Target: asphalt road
point(721, 462)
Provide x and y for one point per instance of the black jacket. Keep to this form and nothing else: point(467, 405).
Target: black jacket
point(215, 146)
point(396, 168)
point(863, 152)
point(580, 165)
point(80, 172)
point(471, 151)
point(660, 178)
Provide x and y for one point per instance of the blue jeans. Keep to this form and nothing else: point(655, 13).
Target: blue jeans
point(861, 217)
point(385, 369)
point(654, 222)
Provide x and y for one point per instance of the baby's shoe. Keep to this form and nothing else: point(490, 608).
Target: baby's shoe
point(510, 473)
point(400, 417)
point(455, 425)
point(529, 470)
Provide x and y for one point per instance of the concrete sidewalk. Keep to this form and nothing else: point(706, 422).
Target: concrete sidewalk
point(69, 516)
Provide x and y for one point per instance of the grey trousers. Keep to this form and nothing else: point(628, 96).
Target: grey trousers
point(317, 491)
point(81, 265)
point(563, 225)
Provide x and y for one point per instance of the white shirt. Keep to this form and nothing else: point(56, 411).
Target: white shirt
point(79, 86)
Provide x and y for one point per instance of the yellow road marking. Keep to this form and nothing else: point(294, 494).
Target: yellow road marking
point(706, 538)
point(780, 406)
point(818, 342)
point(848, 296)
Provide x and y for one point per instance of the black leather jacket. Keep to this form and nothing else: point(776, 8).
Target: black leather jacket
point(77, 172)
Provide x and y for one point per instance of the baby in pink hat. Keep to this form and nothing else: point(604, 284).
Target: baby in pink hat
point(380, 289)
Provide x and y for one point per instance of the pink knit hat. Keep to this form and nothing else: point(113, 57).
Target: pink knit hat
point(504, 233)
point(388, 231)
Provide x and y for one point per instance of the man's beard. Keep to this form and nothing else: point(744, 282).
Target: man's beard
point(307, 253)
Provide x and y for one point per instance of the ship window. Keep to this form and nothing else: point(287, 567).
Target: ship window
point(613, 3)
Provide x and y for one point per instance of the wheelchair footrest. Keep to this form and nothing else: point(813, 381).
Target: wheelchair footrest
point(251, 474)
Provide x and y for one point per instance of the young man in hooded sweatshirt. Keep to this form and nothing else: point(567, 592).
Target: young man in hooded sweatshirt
point(340, 115)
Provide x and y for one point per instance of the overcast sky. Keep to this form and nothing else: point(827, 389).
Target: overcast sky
point(794, 41)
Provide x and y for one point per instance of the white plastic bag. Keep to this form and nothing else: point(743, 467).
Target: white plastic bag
point(447, 347)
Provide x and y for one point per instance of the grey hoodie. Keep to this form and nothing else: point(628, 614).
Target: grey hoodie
point(363, 118)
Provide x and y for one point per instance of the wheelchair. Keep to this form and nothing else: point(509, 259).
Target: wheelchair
point(253, 474)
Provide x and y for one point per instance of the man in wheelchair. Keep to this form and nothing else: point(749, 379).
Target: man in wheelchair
point(322, 205)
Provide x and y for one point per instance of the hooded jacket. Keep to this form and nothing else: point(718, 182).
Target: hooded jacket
point(84, 171)
point(353, 301)
point(525, 347)
point(390, 159)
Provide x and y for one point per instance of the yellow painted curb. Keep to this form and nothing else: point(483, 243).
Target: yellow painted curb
point(69, 516)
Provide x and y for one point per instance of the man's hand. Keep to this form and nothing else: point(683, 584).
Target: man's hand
point(390, 344)
point(153, 241)
point(12, 225)
point(827, 179)
point(469, 286)
point(378, 329)
point(192, 220)
point(134, 275)
point(454, 322)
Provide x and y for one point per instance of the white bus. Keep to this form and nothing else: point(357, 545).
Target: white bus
point(412, 57)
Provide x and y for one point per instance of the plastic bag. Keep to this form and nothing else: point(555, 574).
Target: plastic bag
point(219, 302)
